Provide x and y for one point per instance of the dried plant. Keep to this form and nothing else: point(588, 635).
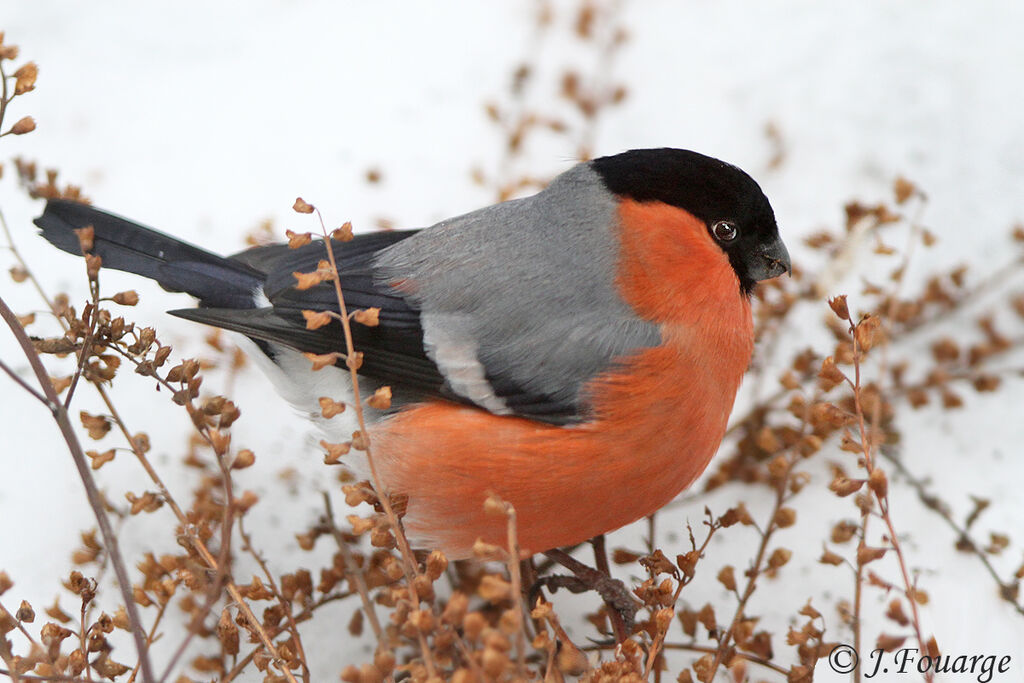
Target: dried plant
point(852, 368)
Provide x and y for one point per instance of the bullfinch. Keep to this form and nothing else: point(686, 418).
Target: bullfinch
point(576, 352)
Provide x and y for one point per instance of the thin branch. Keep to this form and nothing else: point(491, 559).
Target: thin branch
point(23, 384)
point(882, 498)
point(931, 501)
point(60, 415)
point(408, 558)
point(355, 572)
point(286, 606)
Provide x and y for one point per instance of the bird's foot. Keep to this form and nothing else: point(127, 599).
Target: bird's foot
point(622, 606)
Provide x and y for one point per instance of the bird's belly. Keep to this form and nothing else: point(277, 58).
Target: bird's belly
point(567, 484)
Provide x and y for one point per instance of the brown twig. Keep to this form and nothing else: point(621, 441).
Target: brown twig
point(932, 502)
point(60, 415)
point(409, 560)
point(352, 570)
point(193, 539)
point(22, 383)
point(285, 604)
point(882, 497)
point(782, 496)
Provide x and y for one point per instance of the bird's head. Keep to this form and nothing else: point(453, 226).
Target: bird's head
point(724, 198)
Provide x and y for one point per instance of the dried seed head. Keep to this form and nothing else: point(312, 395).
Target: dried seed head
point(26, 78)
point(227, 633)
point(93, 263)
point(307, 542)
point(889, 643)
point(779, 557)
point(25, 613)
point(56, 613)
point(246, 500)
point(767, 441)
point(843, 486)
point(360, 525)
point(494, 589)
point(96, 425)
point(868, 332)
point(785, 517)
point(369, 317)
point(329, 407)
point(220, 441)
point(738, 514)
point(422, 620)
point(828, 416)
point(687, 563)
point(844, 531)
point(830, 374)
point(829, 557)
point(127, 298)
point(486, 551)
point(903, 189)
point(727, 577)
point(381, 399)
point(473, 625)
point(24, 125)
point(778, 466)
point(385, 661)
point(839, 307)
point(304, 281)
point(322, 360)
point(360, 441)
point(98, 460)
point(878, 482)
point(809, 445)
point(19, 274)
point(436, 565)
point(570, 660)
point(244, 458)
point(895, 612)
point(382, 537)
point(343, 234)
point(298, 239)
point(455, 611)
point(866, 554)
point(334, 453)
point(301, 206)
point(495, 506)
point(316, 319)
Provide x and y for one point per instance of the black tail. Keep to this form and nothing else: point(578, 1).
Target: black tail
point(177, 266)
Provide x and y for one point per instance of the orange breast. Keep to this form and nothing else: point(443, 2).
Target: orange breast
point(659, 416)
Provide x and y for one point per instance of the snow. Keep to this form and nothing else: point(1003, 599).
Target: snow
point(202, 119)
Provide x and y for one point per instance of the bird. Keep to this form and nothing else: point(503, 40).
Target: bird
point(576, 352)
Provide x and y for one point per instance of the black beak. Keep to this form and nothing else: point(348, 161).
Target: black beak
point(769, 260)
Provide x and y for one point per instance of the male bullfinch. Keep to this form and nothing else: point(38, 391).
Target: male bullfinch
point(576, 352)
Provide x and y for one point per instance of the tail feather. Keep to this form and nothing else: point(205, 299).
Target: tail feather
point(176, 265)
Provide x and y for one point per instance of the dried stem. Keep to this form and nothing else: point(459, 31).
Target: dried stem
point(409, 560)
point(285, 605)
point(22, 383)
point(755, 571)
point(883, 499)
point(931, 501)
point(354, 572)
point(60, 415)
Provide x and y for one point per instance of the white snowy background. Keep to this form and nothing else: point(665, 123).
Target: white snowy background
point(203, 118)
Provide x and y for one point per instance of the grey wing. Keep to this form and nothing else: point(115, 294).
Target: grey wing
point(517, 301)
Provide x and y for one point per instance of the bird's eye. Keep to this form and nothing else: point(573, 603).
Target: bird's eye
point(724, 231)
